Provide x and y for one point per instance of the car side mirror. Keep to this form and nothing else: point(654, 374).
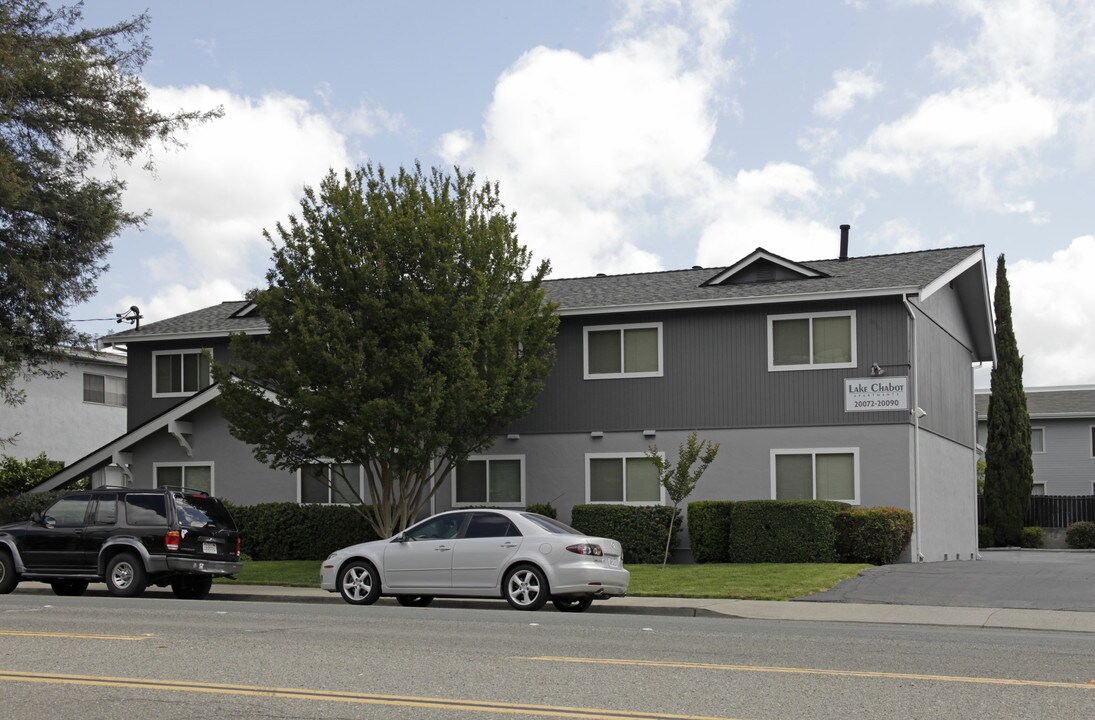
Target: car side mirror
point(48, 522)
point(403, 538)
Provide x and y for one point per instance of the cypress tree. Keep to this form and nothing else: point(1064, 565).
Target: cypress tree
point(1009, 472)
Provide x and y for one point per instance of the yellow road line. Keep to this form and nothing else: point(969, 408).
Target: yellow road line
point(817, 671)
point(335, 696)
point(79, 636)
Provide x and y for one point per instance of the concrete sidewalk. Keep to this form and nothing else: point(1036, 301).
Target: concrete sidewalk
point(1010, 618)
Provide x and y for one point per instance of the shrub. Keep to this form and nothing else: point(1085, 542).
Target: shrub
point(288, 531)
point(1033, 537)
point(19, 476)
point(872, 535)
point(1081, 535)
point(786, 531)
point(19, 507)
point(545, 509)
point(709, 530)
point(640, 529)
point(985, 536)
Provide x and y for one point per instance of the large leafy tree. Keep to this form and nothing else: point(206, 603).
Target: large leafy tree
point(403, 335)
point(70, 101)
point(1009, 472)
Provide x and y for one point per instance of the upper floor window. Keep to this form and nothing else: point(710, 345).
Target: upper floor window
point(330, 485)
point(628, 478)
point(616, 351)
point(810, 341)
point(828, 474)
point(192, 476)
point(498, 480)
point(1038, 440)
point(179, 372)
point(104, 389)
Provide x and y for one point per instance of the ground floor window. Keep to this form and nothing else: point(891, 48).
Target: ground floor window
point(816, 474)
point(1039, 488)
point(336, 484)
point(495, 480)
point(630, 478)
point(192, 476)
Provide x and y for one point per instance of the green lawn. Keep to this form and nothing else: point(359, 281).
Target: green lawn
point(766, 581)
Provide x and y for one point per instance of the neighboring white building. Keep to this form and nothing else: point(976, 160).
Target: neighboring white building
point(68, 417)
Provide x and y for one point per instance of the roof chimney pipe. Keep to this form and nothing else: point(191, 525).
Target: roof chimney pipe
point(844, 241)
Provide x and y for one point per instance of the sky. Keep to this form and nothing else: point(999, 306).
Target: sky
point(637, 135)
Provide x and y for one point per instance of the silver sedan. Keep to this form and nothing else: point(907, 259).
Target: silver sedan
point(524, 557)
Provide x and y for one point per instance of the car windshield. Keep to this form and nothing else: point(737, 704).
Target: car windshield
point(198, 512)
point(552, 525)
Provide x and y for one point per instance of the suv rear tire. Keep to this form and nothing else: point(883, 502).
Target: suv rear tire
point(125, 575)
point(191, 587)
point(69, 588)
point(8, 577)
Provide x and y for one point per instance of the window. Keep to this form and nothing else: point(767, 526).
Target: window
point(192, 476)
point(619, 351)
point(179, 373)
point(630, 478)
point(490, 525)
point(813, 341)
point(104, 390)
point(831, 474)
point(69, 511)
point(330, 485)
point(106, 510)
point(496, 480)
point(147, 510)
point(1039, 488)
point(442, 527)
point(1038, 440)
point(1093, 451)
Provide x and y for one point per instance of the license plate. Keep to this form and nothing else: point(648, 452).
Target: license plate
point(209, 548)
point(613, 562)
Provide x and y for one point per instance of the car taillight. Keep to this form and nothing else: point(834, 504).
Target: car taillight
point(585, 549)
point(237, 546)
point(172, 540)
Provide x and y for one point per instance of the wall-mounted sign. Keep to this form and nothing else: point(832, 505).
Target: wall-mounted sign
point(876, 394)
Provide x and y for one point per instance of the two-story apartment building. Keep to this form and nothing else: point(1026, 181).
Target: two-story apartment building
point(1062, 437)
point(847, 379)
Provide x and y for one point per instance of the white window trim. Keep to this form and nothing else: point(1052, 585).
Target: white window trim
point(621, 456)
point(360, 485)
point(660, 372)
point(1043, 450)
point(1036, 484)
point(1091, 441)
point(486, 501)
point(772, 367)
point(189, 351)
point(813, 453)
point(212, 472)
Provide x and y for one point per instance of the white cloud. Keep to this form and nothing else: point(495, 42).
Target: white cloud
point(235, 176)
point(850, 86)
point(1053, 311)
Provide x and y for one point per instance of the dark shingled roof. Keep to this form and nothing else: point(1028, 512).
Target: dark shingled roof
point(1047, 401)
point(871, 274)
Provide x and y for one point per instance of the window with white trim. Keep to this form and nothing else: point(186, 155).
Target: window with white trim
point(812, 341)
point(1038, 488)
point(1037, 439)
point(628, 478)
point(490, 480)
point(338, 484)
point(623, 351)
point(193, 476)
point(816, 474)
point(178, 373)
point(104, 389)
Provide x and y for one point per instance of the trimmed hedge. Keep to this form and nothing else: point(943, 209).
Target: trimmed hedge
point(784, 531)
point(287, 531)
point(1033, 537)
point(986, 538)
point(640, 529)
point(17, 508)
point(709, 530)
point(875, 535)
point(1081, 535)
point(545, 509)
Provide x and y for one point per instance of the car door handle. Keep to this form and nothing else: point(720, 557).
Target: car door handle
point(442, 548)
point(510, 545)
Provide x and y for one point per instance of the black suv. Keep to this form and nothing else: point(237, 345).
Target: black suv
point(126, 537)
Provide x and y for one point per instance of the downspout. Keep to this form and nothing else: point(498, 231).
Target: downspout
point(916, 428)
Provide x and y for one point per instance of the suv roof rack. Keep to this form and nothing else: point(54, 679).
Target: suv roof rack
point(112, 487)
point(183, 488)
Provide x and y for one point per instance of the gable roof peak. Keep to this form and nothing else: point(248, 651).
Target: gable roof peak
point(762, 266)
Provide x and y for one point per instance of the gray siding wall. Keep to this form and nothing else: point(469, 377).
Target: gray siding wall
point(716, 374)
point(948, 500)
point(1066, 467)
point(945, 375)
point(142, 406)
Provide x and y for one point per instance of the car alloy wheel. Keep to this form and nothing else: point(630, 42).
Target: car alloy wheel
point(359, 583)
point(572, 604)
point(414, 600)
point(525, 588)
point(125, 576)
